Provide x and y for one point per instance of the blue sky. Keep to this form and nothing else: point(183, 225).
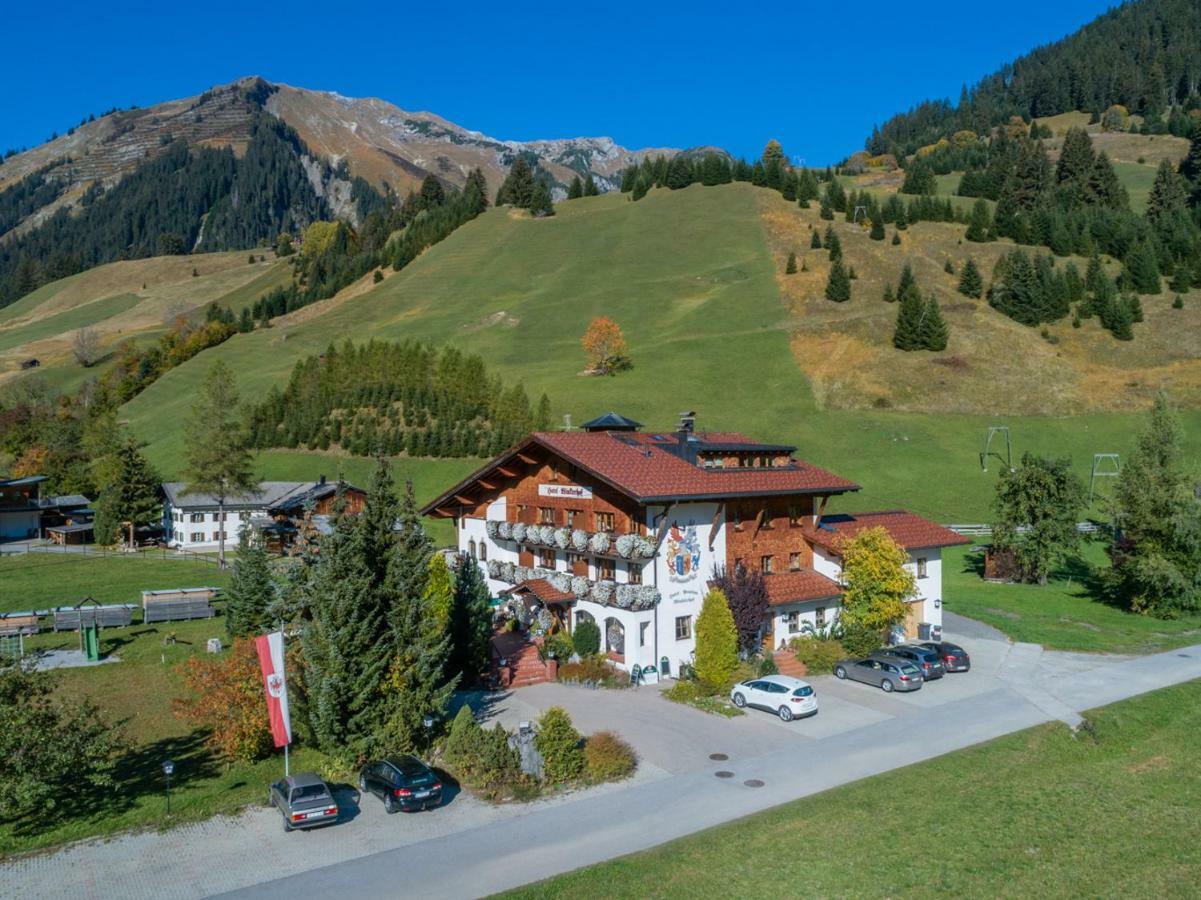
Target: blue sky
point(815, 76)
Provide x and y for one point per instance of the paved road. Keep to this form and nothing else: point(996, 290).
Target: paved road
point(469, 848)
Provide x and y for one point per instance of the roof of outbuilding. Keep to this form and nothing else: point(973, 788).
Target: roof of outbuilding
point(797, 587)
point(908, 529)
point(611, 420)
point(269, 494)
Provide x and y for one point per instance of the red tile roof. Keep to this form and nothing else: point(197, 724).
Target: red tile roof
point(909, 530)
point(543, 590)
point(639, 465)
point(795, 587)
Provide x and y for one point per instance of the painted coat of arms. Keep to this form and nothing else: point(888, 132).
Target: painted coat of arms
point(683, 553)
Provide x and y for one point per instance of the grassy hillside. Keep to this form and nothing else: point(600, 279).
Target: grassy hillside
point(136, 300)
point(692, 277)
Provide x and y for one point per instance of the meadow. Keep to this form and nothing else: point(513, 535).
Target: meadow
point(1040, 813)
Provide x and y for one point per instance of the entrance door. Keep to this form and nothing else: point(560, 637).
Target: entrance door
point(769, 634)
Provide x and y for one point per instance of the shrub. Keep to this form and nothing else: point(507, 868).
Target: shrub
point(227, 699)
point(688, 691)
point(767, 666)
point(594, 668)
point(819, 656)
point(557, 644)
point(586, 639)
point(496, 764)
point(716, 641)
point(608, 757)
point(462, 741)
point(559, 744)
point(860, 641)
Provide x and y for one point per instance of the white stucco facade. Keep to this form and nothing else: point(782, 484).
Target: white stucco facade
point(194, 529)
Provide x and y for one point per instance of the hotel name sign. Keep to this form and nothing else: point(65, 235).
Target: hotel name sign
point(569, 491)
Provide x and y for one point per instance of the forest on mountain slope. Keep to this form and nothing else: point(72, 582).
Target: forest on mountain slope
point(1143, 56)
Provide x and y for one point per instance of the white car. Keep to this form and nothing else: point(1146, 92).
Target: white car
point(787, 697)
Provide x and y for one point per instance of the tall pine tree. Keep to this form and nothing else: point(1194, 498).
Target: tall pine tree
point(970, 283)
point(470, 622)
point(252, 591)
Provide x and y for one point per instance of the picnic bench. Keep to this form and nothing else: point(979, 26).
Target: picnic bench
point(15, 623)
point(178, 604)
point(67, 618)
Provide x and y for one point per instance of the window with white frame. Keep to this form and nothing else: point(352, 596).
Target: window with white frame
point(819, 617)
point(197, 537)
point(792, 621)
point(683, 628)
point(196, 518)
point(921, 567)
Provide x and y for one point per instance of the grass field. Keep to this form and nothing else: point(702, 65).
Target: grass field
point(1035, 814)
point(1069, 613)
point(46, 580)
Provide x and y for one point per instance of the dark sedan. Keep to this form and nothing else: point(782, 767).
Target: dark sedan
point(402, 782)
point(953, 657)
point(304, 801)
point(927, 660)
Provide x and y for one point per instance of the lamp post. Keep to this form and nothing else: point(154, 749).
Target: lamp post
point(428, 722)
point(168, 770)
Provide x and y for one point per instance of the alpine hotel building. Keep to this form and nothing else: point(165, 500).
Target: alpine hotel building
point(626, 528)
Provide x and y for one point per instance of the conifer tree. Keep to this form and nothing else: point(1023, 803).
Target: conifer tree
point(888, 294)
point(576, 189)
point(932, 334)
point(641, 186)
point(590, 188)
point(948, 267)
point(252, 590)
point(970, 283)
point(979, 227)
point(470, 622)
point(1140, 271)
point(907, 284)
point(826, 211)
point(815, 242)
point(518, 186)
point(832, 243)
point(417, 682)
point(1190, 166)
point(629, 176)
point(838, 286)
point(1120, 322)
point(131, 494)
point(541, 205)
point(716, 641)
point(1167, 199)
point(919, 178)
point(790, 268)
point(896, 239)
point(877, 232)
point(1076, 160)
point(907, 335)
point(1182, 278)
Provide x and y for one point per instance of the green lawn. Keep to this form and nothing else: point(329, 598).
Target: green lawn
point(1137, 179)
point(45, 580)
point(139, 692)
point(1065, 614)
point(1041, 813)
point(689, 277)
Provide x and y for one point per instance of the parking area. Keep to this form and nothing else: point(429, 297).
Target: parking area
point(672, 738)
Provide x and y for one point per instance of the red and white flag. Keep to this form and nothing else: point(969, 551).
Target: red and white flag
point(270, 648)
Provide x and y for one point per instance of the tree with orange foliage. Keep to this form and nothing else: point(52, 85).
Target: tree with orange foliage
point(606, 346)
point(227, 699)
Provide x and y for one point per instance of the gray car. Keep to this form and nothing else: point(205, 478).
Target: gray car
point(889, 673)
point(927, 661)
point(304, 801)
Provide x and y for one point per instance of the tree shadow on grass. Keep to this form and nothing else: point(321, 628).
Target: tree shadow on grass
point(138, 774)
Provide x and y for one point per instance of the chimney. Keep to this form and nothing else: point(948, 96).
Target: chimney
point(686, 442)
point(322, 480)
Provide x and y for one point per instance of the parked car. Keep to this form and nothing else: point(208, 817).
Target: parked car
point(954, 658)
point(887, 673)
point(402, 782)
point(926, 660)
point(304, 801)
point(787, 697)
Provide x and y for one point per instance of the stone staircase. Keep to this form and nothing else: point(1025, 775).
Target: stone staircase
point(522, 665)
point(788, 664)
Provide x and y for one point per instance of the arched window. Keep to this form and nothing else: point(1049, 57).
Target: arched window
point(483, 551)
point(471, 548)
point(615, 637)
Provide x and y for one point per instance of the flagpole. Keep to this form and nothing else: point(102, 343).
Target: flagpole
point(283, 643)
